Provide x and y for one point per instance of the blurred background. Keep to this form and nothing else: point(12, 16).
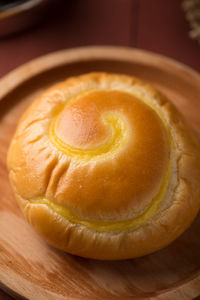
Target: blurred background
point(31, 28)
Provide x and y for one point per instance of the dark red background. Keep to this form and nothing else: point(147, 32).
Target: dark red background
point(155, 25)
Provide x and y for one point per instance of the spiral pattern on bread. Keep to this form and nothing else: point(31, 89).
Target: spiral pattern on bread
point(104, 167)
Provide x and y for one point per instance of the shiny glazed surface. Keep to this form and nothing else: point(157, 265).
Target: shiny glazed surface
point(116, 128)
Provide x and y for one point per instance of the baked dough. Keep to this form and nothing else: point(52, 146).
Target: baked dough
point(103, 166)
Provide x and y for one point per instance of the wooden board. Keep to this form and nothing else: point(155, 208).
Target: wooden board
point(34, 270)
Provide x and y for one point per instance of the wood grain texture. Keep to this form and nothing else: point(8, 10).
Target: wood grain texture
point(37, 271)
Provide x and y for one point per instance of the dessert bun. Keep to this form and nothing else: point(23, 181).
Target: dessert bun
point(103, 166)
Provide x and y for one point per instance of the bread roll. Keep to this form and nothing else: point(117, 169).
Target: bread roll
point(103, 166)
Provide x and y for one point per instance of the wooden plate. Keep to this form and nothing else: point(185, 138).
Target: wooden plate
point(34, 270)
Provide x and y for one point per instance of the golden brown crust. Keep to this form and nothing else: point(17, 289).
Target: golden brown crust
point(38, 169)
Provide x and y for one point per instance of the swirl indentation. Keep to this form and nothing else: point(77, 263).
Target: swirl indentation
point(119, 151)
point(117, 137)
